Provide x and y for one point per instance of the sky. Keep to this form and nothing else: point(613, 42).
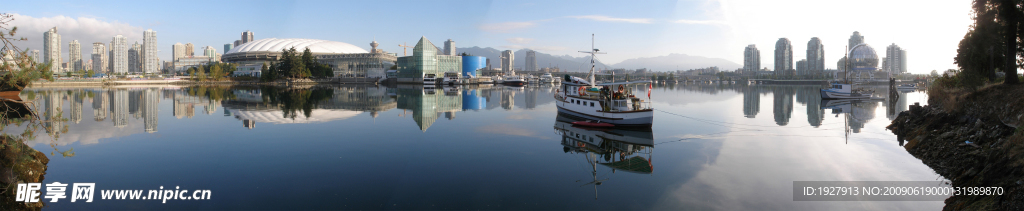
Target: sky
point(928, 31)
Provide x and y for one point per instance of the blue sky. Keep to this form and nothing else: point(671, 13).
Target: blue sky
point(625, 29)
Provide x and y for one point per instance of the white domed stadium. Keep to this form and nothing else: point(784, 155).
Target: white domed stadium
point(270, 49)
point(345, 59)
point(315, 46)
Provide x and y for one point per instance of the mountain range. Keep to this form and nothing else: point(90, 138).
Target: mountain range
point(567, 63)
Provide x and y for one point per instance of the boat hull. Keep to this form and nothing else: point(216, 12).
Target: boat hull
point(514, 82)
point(625, 119)
point(826, 94)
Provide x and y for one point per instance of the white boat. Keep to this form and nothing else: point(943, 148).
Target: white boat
point(496, 79)
point(546, 78)
point(613, 103)
point(451, 78)
point(843, 91)
point(429, 79)
point(514, 80)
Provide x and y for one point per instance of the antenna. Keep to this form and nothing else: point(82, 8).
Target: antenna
point(593, 55)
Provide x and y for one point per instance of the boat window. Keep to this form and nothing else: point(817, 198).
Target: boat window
point(591, 104)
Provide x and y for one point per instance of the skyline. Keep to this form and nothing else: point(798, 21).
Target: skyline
point(714, 29)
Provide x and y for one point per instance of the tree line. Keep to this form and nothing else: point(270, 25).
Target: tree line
point(291, 65)
point(211, 71)
point(991, 45)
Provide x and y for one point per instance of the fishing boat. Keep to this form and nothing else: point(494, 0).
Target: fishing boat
point(843, 91)
point(514, 80)
point(614, 103)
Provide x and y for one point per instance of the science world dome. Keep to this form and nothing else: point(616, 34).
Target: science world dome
point(863, 58)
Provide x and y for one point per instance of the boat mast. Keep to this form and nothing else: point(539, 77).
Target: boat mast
point(593, 53)
point(592, 65)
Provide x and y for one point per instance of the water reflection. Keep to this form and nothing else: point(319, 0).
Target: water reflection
point(708, 164)
point(783, 97)
point(621, 150)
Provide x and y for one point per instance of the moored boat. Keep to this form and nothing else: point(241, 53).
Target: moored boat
point(514, 80)
point(843, 91)
point(614, 103)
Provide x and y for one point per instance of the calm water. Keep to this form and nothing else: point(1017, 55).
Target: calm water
point(731, 147)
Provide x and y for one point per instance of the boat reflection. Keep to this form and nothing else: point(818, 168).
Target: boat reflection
point(621, 150)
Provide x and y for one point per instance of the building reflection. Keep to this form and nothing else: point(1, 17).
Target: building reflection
point(427, 104)
point(508, 97)
point(751, 101)
point(150, 104)
point(783, 104)
point(615, 149)
point(126, 106)
point(810, 98)
point(100, 105)
point(76, 106)
point(54, 103)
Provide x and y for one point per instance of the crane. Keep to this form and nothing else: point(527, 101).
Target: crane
point(404, 47)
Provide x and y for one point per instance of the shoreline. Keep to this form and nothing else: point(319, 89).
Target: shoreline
point(974, 140)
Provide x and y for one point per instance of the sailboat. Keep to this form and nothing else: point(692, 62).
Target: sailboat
point(613, 103)
point(844, 90)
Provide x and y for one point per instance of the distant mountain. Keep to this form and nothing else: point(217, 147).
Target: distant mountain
point(564, 62)
point(677, 62)
point(569, 63)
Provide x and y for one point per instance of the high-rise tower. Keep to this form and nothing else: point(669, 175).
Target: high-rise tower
point(75, 54)
point(751, 59)
point(815, 57)
point(151, 63)
point(51, 49)
point(449, 47)
point(119, 47)
point(507, 59)
point(783, 57)
point(531, 61)
point(247, 36)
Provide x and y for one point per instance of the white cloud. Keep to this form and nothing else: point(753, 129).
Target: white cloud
point(704, 22)
point(516, 47)
point(519, 40)
point(506, 27)
point(547, 48)
point(86, 30)
point(611, 19)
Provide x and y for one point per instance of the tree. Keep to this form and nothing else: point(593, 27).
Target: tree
point(992, 39)
point(215, 72)
point(201, 74)
point(192, 73)
point(90, 73)
point(935, 74)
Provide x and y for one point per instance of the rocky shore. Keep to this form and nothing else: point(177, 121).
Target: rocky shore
point(972, 139)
